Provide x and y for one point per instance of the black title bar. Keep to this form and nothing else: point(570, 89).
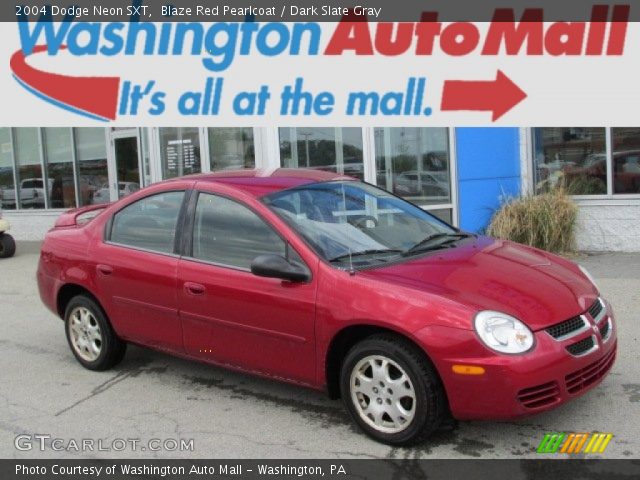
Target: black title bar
point(548, 468)
point(303, 11)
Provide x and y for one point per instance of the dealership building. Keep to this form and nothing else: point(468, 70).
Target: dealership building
point(462, 175)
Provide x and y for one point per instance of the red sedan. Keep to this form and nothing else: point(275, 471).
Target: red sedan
point(324, 281)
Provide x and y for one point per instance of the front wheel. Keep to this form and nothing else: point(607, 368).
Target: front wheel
point(7, 245)
point(91, 338)
point(392, 391)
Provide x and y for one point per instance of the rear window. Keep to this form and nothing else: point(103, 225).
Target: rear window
point(150, 223)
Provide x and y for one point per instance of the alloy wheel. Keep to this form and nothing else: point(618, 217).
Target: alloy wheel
point(383, 394)
point(85, 334)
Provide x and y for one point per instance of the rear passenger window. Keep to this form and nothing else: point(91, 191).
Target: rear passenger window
point(149, 223)
point(228, 233)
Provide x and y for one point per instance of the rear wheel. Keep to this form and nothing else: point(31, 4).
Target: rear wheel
point(392, 391)
point(90, 336)
point(7, 245)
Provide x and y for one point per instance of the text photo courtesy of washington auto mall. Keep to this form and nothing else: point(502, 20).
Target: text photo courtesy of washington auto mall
point(300, 240)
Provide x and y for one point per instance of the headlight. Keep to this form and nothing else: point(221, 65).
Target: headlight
point(503, 333)
point(588, 275)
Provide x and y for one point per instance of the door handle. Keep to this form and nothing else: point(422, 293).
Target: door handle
point(194, 288)
point(104, 269)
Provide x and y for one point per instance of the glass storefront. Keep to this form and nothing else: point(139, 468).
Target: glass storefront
point(59, 168)
point(30, 183)
point(231, 148)
point(7, 191)
point(625, 160)
point(179, 151)
point(575, 158)
point(58, 152)
point(414, 163)
point(91, 155)
point(332, 149)
point(588, 161)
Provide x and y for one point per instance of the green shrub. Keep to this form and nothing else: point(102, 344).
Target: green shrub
point(543, 221)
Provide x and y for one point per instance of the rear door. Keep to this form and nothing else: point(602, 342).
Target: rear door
point(136, 270)
point(231, 316)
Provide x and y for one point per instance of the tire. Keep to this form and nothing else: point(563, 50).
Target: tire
point(380, 415)
point(90, 336)
point(7, 245)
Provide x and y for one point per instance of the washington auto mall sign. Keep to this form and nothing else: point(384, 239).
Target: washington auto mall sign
point(217, 45)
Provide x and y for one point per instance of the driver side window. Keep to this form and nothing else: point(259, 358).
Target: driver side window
point(228, 233)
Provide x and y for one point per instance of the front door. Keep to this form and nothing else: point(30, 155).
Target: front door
point(233, 317)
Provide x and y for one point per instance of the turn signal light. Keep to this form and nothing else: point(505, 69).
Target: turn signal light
point(467, 370)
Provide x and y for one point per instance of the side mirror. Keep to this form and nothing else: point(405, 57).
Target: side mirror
point(275, 266)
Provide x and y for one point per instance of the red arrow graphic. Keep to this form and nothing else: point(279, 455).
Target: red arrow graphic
point(96, 97)
point(498, 96)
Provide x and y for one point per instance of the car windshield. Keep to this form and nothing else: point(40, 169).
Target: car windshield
point(354, 223)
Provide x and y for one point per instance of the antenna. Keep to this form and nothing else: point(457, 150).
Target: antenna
point(346, 219)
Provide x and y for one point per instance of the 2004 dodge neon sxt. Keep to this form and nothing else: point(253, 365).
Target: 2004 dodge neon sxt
point(322, 280)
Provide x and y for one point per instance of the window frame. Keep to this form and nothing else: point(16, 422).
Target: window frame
point(178, 240)
point(609, 198)
point(189, 228)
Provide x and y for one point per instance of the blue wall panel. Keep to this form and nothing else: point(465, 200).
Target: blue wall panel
point(488, 170)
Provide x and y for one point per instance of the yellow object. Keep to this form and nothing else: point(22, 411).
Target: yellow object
point(467, 370)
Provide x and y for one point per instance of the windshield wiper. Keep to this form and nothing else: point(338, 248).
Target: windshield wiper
point(364, 252)
point(423, 245)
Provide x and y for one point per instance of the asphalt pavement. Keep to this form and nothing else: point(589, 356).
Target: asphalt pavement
point(154, 400)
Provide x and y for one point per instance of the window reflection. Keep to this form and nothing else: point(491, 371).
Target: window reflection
point(7, 191)
point(91, 153)
point(31, 189)
point(59, 166)
point(333, 149)
point(414, 163)
point(626, 160)
point(574, 158)
point(231, 148)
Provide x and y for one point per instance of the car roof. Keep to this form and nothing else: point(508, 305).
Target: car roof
point(261, 182)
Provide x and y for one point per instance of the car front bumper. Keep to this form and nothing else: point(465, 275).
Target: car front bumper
point(518, 385)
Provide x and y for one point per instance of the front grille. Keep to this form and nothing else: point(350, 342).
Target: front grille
point(565, 328)
point(604, 330)
point(581, 347)
point(595, 309)
point(581, 379)
point(540, 395)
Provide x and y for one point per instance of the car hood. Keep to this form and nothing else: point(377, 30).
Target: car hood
point(481, 273)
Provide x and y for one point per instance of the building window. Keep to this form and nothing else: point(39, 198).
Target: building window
point(91, 154)
point(179, 151)
point(146, 157)
point(231, 148)
point(333, 149)
point(7, 190)
point(58, 153)
point(625, 154)
point(31, 188)
point(587, 161)
point(574, 158)
point(414, 163)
